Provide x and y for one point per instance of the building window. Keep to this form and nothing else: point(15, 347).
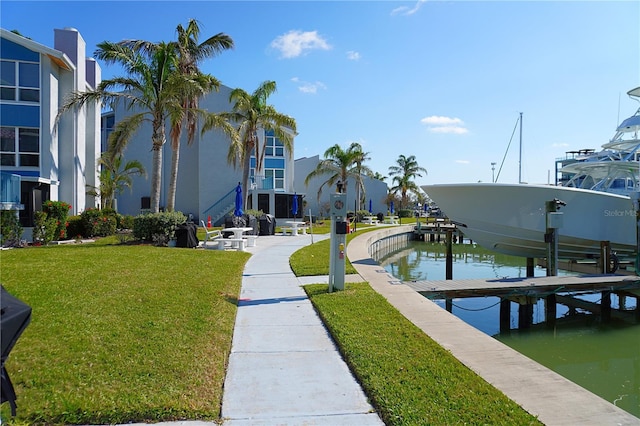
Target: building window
point(19, 81)
point(19, 147)
point(273, 145)
point(276, 176)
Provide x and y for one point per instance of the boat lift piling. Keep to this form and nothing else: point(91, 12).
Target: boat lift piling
point(635, 196)
point(604, 264)
point(553, 222)
point(449, 265)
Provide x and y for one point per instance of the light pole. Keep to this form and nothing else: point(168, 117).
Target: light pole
point(493, 172)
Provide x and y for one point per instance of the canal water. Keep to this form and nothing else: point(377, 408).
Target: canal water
point(601, 357)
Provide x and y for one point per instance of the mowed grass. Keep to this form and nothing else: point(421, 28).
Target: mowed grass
point(121, 333)
point(125, 333)
point(409, 378)
point(314, 259)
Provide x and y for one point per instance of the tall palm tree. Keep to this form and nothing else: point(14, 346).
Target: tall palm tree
point(190, 54)
point(152, 89)
point(250, 113)
point(114, 177)
point(341, 164)
point(359, 169)
point(404, 173)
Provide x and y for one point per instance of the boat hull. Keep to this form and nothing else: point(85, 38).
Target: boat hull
point(511, 218)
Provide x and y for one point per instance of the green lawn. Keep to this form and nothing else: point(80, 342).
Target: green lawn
point(409, 378)
point(121, 333)
point(136, 333)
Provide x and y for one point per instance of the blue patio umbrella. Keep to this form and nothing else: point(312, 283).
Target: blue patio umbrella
point(370, 207)
point(294, 208)
point(237, 211)
point(391, 207)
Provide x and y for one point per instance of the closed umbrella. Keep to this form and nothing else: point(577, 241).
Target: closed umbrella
point(370, 207)
point(391, 207)
point(294, 208)
point(238, 207)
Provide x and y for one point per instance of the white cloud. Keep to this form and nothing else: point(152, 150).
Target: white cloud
point(560, 145)
point(449, 129)
point(439, 120)
point(440, 124)
point(463, 161)
point(353, 56)
point(406, 11)
point(296, 43)
point(308, 87)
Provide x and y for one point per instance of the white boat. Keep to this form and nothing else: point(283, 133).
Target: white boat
point(599, 196)
point(511, 218)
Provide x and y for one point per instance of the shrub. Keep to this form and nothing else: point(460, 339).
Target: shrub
point(405, 213)
point(151, 226)
point(57, 210)
point(256, 213)
point(99, 223)
point(360, 214)
point(44, 230)
point(126, 222)
point(10, 228)
point(76, 227)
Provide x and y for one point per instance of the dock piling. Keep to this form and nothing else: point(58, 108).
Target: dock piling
point(449, 255)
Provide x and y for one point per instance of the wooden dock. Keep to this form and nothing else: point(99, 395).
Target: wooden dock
point(536, 286)
point(435, 229)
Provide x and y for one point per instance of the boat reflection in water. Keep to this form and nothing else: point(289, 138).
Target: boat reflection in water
point(602, 357)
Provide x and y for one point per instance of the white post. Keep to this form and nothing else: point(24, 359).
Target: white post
point(337, 252)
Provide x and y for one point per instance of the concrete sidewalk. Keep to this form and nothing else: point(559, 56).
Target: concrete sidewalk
point(284, 369)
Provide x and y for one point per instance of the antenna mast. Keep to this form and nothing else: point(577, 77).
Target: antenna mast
point(520, 159)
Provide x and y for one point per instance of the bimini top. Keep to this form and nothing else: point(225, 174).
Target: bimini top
point(634, 92)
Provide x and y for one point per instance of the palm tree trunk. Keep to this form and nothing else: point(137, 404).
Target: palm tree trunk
point(245, 180)
point(156, 166)
point(173, 182)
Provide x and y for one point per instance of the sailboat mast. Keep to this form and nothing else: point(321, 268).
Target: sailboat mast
point(520, 159)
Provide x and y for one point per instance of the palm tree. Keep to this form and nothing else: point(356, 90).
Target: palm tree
point(359, 170)
point(190, 54)
point(404, 173)
point(250, 112)
point(341, 164)
point(152, 89)
point(379, 176)
point(114, 177)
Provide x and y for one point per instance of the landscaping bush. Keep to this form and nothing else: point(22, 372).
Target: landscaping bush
point(157, 226)
point(76, 227)
point(99, 223)
point(57, 210)
point(10, 228)
point(126, 222)
point(361, 214)
point(405, 213)
point(44, 229)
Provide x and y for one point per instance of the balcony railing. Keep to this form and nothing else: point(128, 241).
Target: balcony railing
point(10, 192)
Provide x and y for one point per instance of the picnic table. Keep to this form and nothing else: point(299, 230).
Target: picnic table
point(391, 220)
point(294, 227)
point(370, 220)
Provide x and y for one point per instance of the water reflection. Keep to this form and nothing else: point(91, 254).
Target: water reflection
point(602, 357)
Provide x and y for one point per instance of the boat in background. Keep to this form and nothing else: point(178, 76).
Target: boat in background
point(599, 190)
point(511, 218)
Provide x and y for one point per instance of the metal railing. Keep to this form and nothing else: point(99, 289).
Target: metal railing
point(221, 207)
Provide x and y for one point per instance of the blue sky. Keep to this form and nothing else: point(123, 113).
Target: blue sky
point(444, 81)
